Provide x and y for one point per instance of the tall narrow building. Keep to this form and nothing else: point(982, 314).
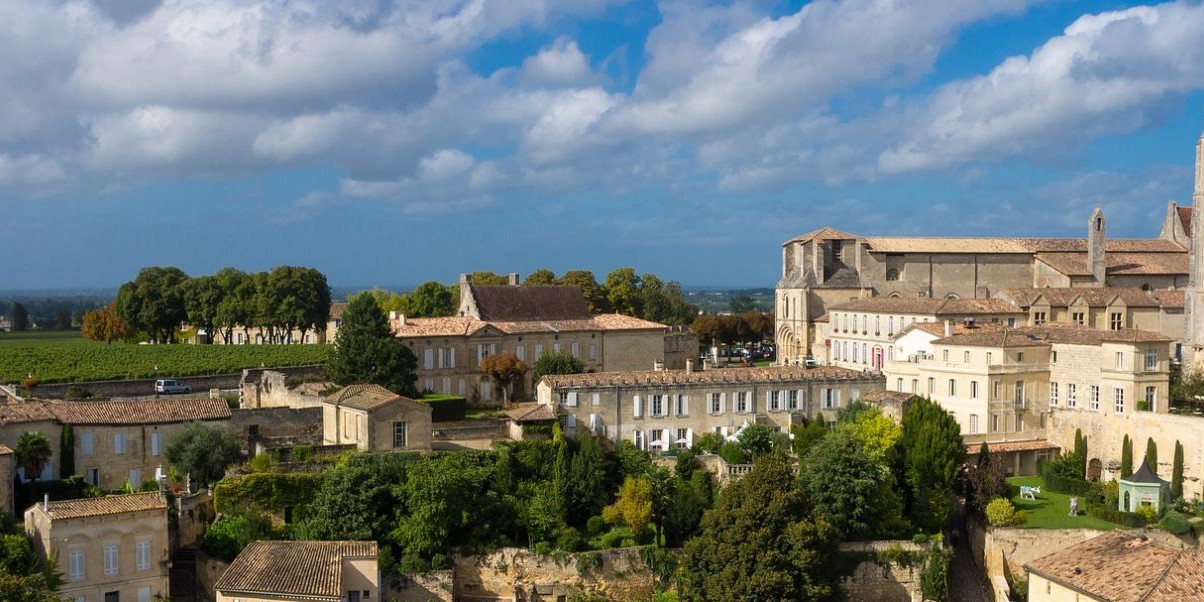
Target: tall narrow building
point(1193, 339)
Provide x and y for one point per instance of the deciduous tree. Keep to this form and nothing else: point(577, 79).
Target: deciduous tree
point(504, 369)
point(105, 325)
point(877, 434)
point(633, 506)
point(153, 302)
point(850, 489)
point(623, 291)
point(202, 297)
point(595, 295)
point(552, 362)
point(431, 300)
point(203, 451)
point(236, 307)
point(540, 277)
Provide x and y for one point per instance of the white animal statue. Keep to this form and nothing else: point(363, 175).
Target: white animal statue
point(1029, 493)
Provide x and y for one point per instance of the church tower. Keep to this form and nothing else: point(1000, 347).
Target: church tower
point(1193, 339)
point(1097, 229)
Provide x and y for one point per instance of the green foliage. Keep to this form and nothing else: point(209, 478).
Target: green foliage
point(1151, 454)
point(430, 300)
point(154, 302)
point(934, 576)
point(931, 451)
point(585, 486)
point(203, 450)
point(733, 453)
point(1147, 512)
point(709, 443)
point(756, 440)
point(67, 451)
point(692, 496)
point(1177, 472)
point(686, 465)
point(504, 369)
point(540, 277)
point(446, 408)
point(808, 435)
point(853, 492)
point(569, 540)
point(633, 506)
point(32, 453)
point(1126, 458)
point(275, 492)
point(1175, 523)
point(761, 542)
point(16, 554)
point(1080, 453)
point(595, 296)
point(366, 352)
point(1001, 513)
point(303, 453)
point(228, 535)
point(260, 463)
point(1062, 475)
point(984, 480)
point(553, 362)
point(877, 434)
point(1112, 515)
point(622, 287)
point(595, 525)
point(27, 588)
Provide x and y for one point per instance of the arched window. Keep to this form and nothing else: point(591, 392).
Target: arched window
point(1128, 507)
point(952, 296)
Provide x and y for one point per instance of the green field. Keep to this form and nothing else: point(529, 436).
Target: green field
point(1052, 510)
point(53, 357)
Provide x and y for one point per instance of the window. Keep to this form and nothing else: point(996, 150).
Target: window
point(353, 595)
point(142, 555)
point(119, 443)
point(988, 358)
point(428, 385)
point(931, 386)
point(399, 435)
point(1019, 397)
point(658, 405)
point(1053, 357)
point(899, 384)
point(994, 423)
point(135, 478)
point(569, 399)
point(556, 347)
point(1151, 360)
point(76, 562)
point(831, 399)
point(1019, 357)
point(92, 476)
point(428, 358)
point(973, 389)
point(773, 401)
point(110, 560)
point(715, 403)
point(1019, 422)
point(657, 438)
point(1078, 317)
point(792, 400)
point(575, 349)
point(890, 323)
point(447, 356)
point(112, 596)
point(1011, 322)
point(995, 393)
point(156, 443)
point(1118, 397)
point(952, 387)
point(1053, 394)
point(683, 438)
point(915, 385)
point(1094, 402)
point(966, 357)
point(593, 352)
point(85, 444)
point(682, 405)
point(447, 389)
point(973, 424)
point(945, 355)
point(538, 352)
point(1120, 360)
point(1151, 394)
point(1070, 395)
point(1115, 320)
point(1038, 318)
point(595, 399)
point(741, 402)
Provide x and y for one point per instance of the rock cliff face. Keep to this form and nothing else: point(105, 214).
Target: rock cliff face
point(619, 574)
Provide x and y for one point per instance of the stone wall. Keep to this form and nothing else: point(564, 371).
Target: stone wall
point(270, 388)
point(680, 345)
point(208, 571)
point(621, 576)
point(634, 350)
point(1002, 553)
point(884, 582)
point(425, 587)
point(146, 386)
point(195, 513)
point(1105, 434)
point(8, 469)
point(298, 426)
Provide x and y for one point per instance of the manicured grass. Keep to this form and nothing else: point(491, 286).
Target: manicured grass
point(1052, 510)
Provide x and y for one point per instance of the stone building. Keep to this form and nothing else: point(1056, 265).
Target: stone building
point(322, 571)
point(1108, 308)
point(8, 470)
point(114, 441)
point(1117, 566)
point(528, 321)
point(1193, 338)
point(108, 548)
point(374, 418)
point(658, 410)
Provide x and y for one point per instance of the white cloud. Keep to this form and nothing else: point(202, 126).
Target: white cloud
point(559, 64)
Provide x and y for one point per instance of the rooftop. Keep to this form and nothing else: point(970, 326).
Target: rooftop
point(925, 305)
point(293, 568)
point(1094, 297)
point(365, 397)
point(532, 413)
point(528, 303)
point(1120, 263)
point(1012, 446)
point(1144, 474)
point(109, 504)
point(21, 412)
point(1124, 567)
point(700, 377)
point(825, 233)
point(463, 326)
point(1037, 336)
point(138, 412)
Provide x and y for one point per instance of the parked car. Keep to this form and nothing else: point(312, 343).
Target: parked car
point(169, 387)
point(811, 362)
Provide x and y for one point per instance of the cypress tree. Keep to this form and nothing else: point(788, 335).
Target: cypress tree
point(1151, 454)
point(1126, 458)
point(1080, 453)
point(67, 451)
point(984, 456)
point(1177, 472)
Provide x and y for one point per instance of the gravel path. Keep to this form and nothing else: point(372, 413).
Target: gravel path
point(967, 582)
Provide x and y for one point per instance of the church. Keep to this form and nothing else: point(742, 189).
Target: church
point(829, 266)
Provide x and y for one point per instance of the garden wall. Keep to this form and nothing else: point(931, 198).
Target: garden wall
point(195, 513)
point(146, 386)
point(208, 571)
point(1002, 553)
point(270, 388)
point(883, 581)
point(299, 426)
point(621, 575)
point(435, 586)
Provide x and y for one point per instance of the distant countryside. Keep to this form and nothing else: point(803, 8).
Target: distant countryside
point(65, 356)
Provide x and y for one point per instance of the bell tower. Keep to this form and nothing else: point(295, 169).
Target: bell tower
point(1193, 338)
point(1097, 230)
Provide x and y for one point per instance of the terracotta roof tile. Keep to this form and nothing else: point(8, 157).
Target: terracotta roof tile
point(532, 413)
point(1185, 214)
point(882, 395)
point(5, 450)
point(364, 397)
point(716, 376)
point(138, 412)
point(527, 303)
point(909, 305)
point(1125, 567)
point(293, 568)
point(1120, 263)
point(109, 504)
point(978, 306)
point(825, 233)
point(938, 244)
point(1012, 446)
point(1092, 296)
point(21, 412)
point(1040, 336)
point(437, 327)
point(1169, 299)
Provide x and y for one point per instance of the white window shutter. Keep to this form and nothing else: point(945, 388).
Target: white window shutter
point(767, 394)
point(635, 407)
point(685, 405)
point(572, 399)
point(689, 437)
point(722, 403)
point(428, 358)
point(570, 420)
point(453, 358)
point(595, 399)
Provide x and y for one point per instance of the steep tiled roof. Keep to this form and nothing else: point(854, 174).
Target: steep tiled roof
point(977, 306)
point(717, 376)
point(21, 412)
point(938, 328)
point(437, 327)
point(1094, 297)
point(925, 305)
point(883, 395)
point(1119, 264)
point(825, 233)
point(109, 504)
point(139, 412)
point(526, 303)
point(293, 568)
point(1169, 299)
point(1124, 567)
point(532, 413)
point(363, 397)
point(1035, 336)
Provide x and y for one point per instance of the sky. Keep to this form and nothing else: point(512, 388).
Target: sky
point(389, 143)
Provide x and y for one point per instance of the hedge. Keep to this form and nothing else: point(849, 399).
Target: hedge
point(1128, 519)
point(445, 408)
point(1062, 483)
point(268, 491)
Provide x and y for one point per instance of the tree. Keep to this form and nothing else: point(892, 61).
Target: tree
point(366, 352)
point(877, 434)
point(430, 300)
point(984, 480)
point(540, 277)
point(586, 484)
point(633, 507)
point(762, 541)
point(1080, 453)
point(1126, 458)
point(595, 295)
point(931, 453)
point(27, 588)
point(154, 302)
point(623, 291)
point(353, 503)
point(202, 297)
point(807, 435)
point(504, 369)
point(852, 491)
point(707, 328)
point(552, 362)
point(20, 317)
point(756, 439)
point(67, 451)
point(33, 453)
point(62, 320)
point(440, 501)
point(1151, 454)
point(105, 325)
point(693, 493)
point(741, 303)
point(1177, 472)
point(662, 489)
point(203, 451)
point(236, 307)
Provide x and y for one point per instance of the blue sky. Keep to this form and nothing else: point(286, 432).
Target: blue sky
point(389, 143)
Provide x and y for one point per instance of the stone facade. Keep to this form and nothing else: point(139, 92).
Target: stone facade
point(294, 426)
point(671, 408)
point(272, 390)
point(7, 471)
point(1193, 338)
point(104, 545)
point(518, 574)
point(394, 423)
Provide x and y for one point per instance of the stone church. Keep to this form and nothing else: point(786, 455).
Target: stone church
point(828, 266)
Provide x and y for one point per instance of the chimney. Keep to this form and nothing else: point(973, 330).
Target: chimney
point(689, 366)
point(512, 278)
point(401, 319)
point(1096, 233)
point(46, 502)
point(948, 328)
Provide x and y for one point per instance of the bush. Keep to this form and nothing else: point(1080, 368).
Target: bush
point(1058, 476)
point(732, 453)
point(569, 540)
point(709, 443)
point(1148, 513)
point(260, 463)
point(1174, 523)
point(446, 408)
point(303, 453)
point(543, 548)
point(30, 382)
point(1001, 513)
point(77, 393)
point(1128, 519)
point(934, 575)
point(612, 539)
point(226, 537)
point(595, 525)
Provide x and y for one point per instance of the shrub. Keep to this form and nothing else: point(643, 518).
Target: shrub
point(709, 443)
point(1001, 513)
point(595, 525)
point(1147, 512)
point(29, 382)
point(303, 453)
point(260, 463)
point(1174, 523)
point(543, 548)
point(1059, 476)
point(569, 540)
point(732, 453)
point(934, 576)
point(612, 539)
point(77, 393)
point(1128, 519)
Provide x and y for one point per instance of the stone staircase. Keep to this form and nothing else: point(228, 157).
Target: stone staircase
point(183, 575)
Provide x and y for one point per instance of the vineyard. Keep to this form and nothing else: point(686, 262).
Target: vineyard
point(72, 359)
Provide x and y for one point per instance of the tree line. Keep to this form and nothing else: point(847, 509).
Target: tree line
point(276, 302)
point(750, 326)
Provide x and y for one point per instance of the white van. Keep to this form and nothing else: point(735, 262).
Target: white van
point(171, 386)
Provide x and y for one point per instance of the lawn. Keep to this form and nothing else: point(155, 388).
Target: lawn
point(1052, 510)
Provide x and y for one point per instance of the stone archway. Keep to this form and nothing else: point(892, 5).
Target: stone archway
point(1094, 469)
